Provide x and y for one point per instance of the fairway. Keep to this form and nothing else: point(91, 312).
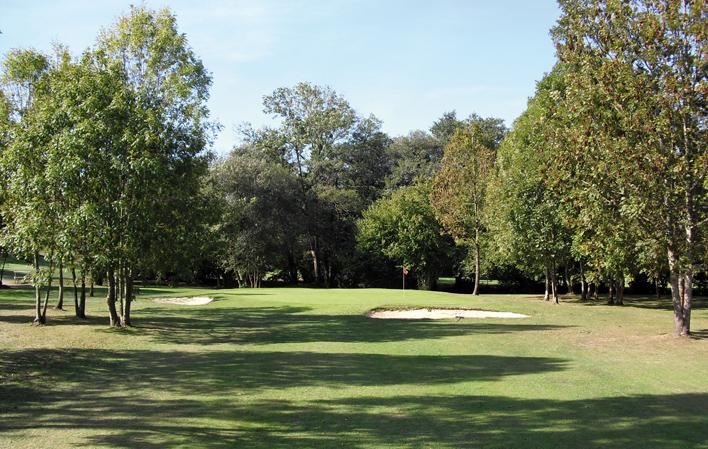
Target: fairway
point(305, 368)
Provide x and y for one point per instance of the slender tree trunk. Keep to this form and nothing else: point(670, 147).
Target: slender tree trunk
point(292, 267)
point(583, 285)
point(546, 295)
point(2, 269)
point(91, 290)
point(111, 299)
point(656, 287)
point(121, 291)
point(554, 284)
point(82, 300)
point(687, 301)
point(611, 292)
point(675, 293)
point(76, 291)
point(477, 264)
point(60, 302)
point(128, 297)
point(566, 279)
point(38, 317)
point(49, 290)
point(315, 264)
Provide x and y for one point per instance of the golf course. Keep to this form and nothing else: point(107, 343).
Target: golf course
point(282, 224)
point(305, 368)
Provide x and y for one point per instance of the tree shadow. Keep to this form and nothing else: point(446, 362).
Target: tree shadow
point(451, 421)
point(648, 302)
point(699, 334)
point(268, 325)
point(215, 372)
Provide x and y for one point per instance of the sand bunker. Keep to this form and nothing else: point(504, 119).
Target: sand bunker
point(439, 314)
point(193, 301)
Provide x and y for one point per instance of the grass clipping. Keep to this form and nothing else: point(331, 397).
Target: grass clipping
point(193, 301)
point(438, 314)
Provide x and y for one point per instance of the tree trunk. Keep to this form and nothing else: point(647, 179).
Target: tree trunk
point(676, 298)
point(477, 264)
point(91, 292)
point(656, 287)
point(292, 268)
point(128, 297)
point(687, 301)
point(583, 285)
point(315, 265)
point(566, 279)
point(2, 269)
point(611, 292)
point(82, 300)
point(554, 285)
point(546, 295)
point(120, 294)
point(111, 299)
point(38, 317)
point(76, 291)
point(619, 300)
point(49, 290)
point(60, 302)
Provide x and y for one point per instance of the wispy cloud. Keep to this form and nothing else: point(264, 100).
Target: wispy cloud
point(254, 28)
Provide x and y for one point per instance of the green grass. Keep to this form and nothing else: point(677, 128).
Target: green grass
point(304, 368)
point(22, 268)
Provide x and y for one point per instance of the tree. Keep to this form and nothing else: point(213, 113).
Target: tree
point(459, 188)
point(339, 160)
point(404, 229)
point(366, 161)
point(27, 194)
point(414, 156)
point(259, 229)
point(526, 217)
point(636, 96)
point(154, 161)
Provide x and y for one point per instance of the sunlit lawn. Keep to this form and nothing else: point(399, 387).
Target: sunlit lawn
point(304, 368)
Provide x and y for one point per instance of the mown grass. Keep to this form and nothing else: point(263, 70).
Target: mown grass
point(304, 368)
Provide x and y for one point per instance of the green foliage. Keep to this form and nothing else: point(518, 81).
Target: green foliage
point(338, 160)
point(635, 165)
point(259, 229)
point(526, 223)
point(103, 169)
point(459, 188)
point(404, 229)
point(414, 156)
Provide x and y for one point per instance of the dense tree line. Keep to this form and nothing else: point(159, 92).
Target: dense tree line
point(606, 169)
point(599, 184)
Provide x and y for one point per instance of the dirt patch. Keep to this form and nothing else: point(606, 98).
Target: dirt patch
point(439, 314)
point(193, 301)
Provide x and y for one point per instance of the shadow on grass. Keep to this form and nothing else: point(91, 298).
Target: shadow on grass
point(128, 420)
point(268, 325)
point(646, 302)
point(217, 372)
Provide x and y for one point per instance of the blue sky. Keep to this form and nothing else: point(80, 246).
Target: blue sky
point(406, 62)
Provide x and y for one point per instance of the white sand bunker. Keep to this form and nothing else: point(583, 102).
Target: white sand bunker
point(439, 314)
point(193, 301)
